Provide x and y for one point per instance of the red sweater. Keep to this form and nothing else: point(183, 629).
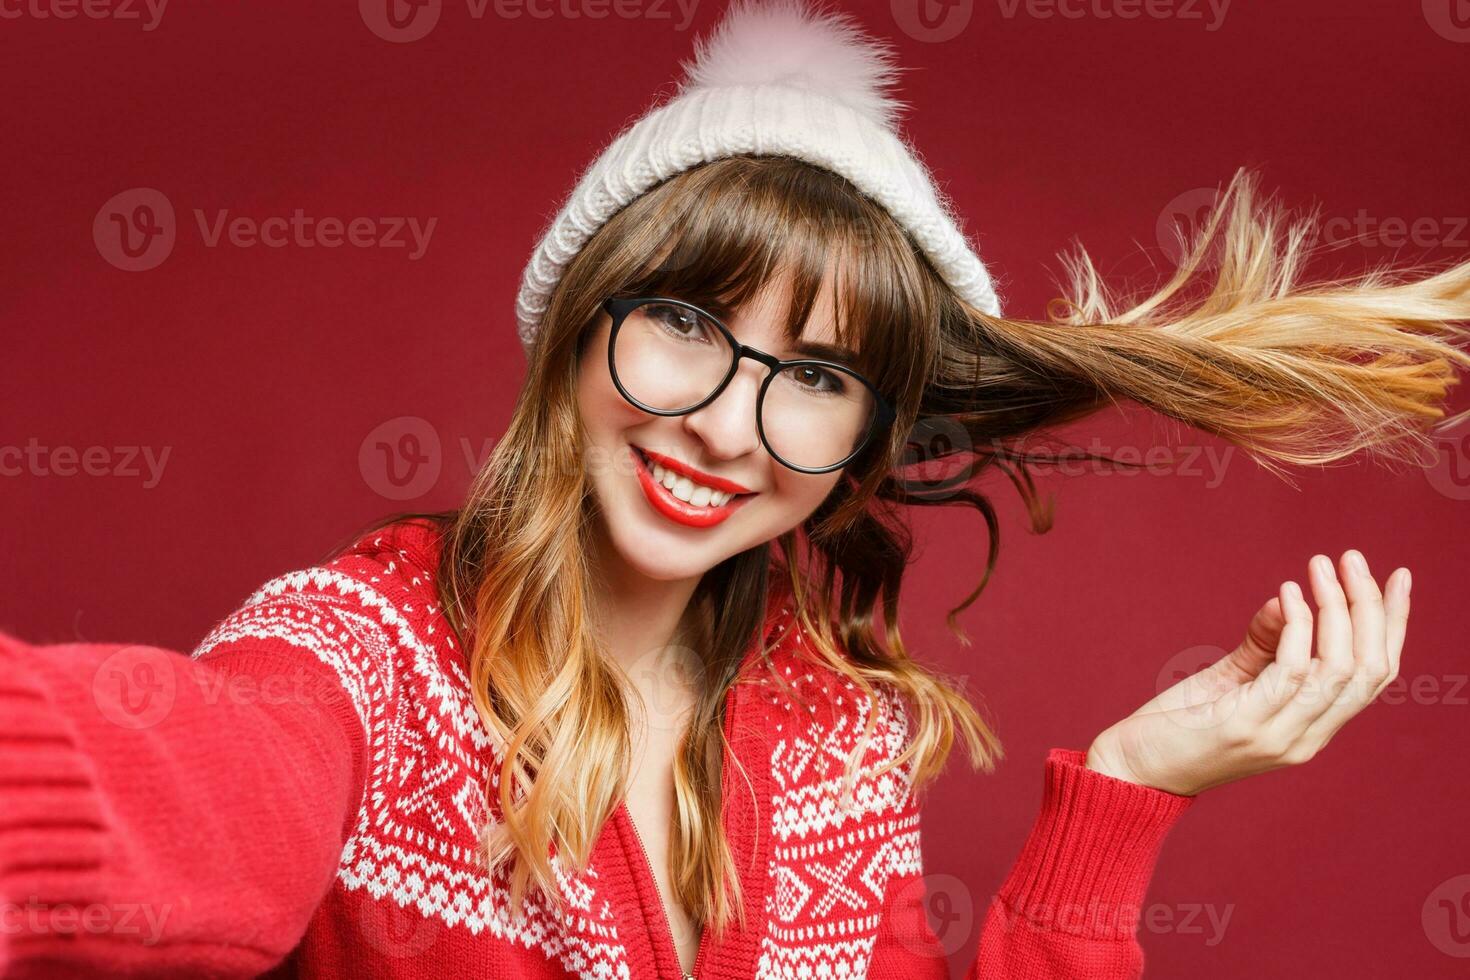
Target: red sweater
point(301, 795)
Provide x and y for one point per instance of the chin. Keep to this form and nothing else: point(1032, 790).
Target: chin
point(661, 554)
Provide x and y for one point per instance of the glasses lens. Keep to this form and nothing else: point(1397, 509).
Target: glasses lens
point(815, 415)
point(669, 357)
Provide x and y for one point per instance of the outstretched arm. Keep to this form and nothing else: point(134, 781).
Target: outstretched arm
point(162, 816)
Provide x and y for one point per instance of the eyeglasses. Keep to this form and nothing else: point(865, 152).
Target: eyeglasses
point(669, 357)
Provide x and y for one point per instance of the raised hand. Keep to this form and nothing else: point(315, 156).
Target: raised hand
point(1269, 703)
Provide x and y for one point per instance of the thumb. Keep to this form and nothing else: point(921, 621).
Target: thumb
point(1258, 649)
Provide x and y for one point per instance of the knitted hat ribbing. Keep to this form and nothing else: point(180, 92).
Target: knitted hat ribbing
point(775, 78)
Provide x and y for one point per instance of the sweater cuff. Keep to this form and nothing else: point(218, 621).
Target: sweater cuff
point(53, 834)
point(1091, 853)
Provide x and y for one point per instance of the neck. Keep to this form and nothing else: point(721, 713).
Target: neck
point(642, 622)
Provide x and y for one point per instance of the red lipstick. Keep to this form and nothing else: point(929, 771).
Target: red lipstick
point(698, 476)
point(690, 515)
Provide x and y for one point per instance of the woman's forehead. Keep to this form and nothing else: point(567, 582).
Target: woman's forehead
point(764, 315)
point(755, 304)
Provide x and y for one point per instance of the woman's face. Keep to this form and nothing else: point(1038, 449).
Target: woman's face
point(718, 446)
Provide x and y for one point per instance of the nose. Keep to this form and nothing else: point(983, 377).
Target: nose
point(727, 424)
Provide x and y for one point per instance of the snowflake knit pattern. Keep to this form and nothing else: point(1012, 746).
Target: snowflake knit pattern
point(336, 832)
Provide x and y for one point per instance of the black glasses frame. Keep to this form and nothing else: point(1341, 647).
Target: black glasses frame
point(619, 308)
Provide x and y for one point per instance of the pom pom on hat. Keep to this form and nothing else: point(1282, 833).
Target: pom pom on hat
point(774, 77)
point(788, 42)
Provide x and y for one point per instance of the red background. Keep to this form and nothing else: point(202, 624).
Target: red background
point(263, 371)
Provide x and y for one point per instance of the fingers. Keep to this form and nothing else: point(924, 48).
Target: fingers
point(1370, 647)
point(1294, 648)
point(1279, 682)
point(1369, 662)
point(1352, 661)
point(1332, 668)
point(1370, 650)
point(1396, 616)
point(1335, 624)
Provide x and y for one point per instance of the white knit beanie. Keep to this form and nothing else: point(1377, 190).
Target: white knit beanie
point(774, 78)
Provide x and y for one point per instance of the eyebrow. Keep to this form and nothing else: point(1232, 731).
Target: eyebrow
point(827, 352)
point(804, 348)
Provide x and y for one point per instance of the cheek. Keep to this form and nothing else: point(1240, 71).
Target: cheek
point(796, 495)
point(594, 384)
point(602, 409)
point(608, 423)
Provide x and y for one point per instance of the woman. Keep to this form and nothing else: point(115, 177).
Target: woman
point(629, 711)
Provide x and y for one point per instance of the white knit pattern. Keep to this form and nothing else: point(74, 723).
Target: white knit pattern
point(833, 856)
point(803, 118)
point(415, 837)
point(374, 622)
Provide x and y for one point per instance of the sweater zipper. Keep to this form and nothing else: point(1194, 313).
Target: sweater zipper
point(668, 926)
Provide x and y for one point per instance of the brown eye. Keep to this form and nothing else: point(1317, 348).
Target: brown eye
point(815, 380)
point(678, 322)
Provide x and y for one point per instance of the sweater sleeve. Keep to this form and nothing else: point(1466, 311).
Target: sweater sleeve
point(1069, 907)
point(162, 815)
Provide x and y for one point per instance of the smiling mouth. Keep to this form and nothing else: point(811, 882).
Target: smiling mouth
point(682, 499)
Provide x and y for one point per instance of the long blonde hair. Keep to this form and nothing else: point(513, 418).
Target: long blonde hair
point(1288, 372)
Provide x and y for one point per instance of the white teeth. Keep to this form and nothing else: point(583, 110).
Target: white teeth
point(687, 490)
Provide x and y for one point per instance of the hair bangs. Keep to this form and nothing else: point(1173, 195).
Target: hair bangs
point(787, 223)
